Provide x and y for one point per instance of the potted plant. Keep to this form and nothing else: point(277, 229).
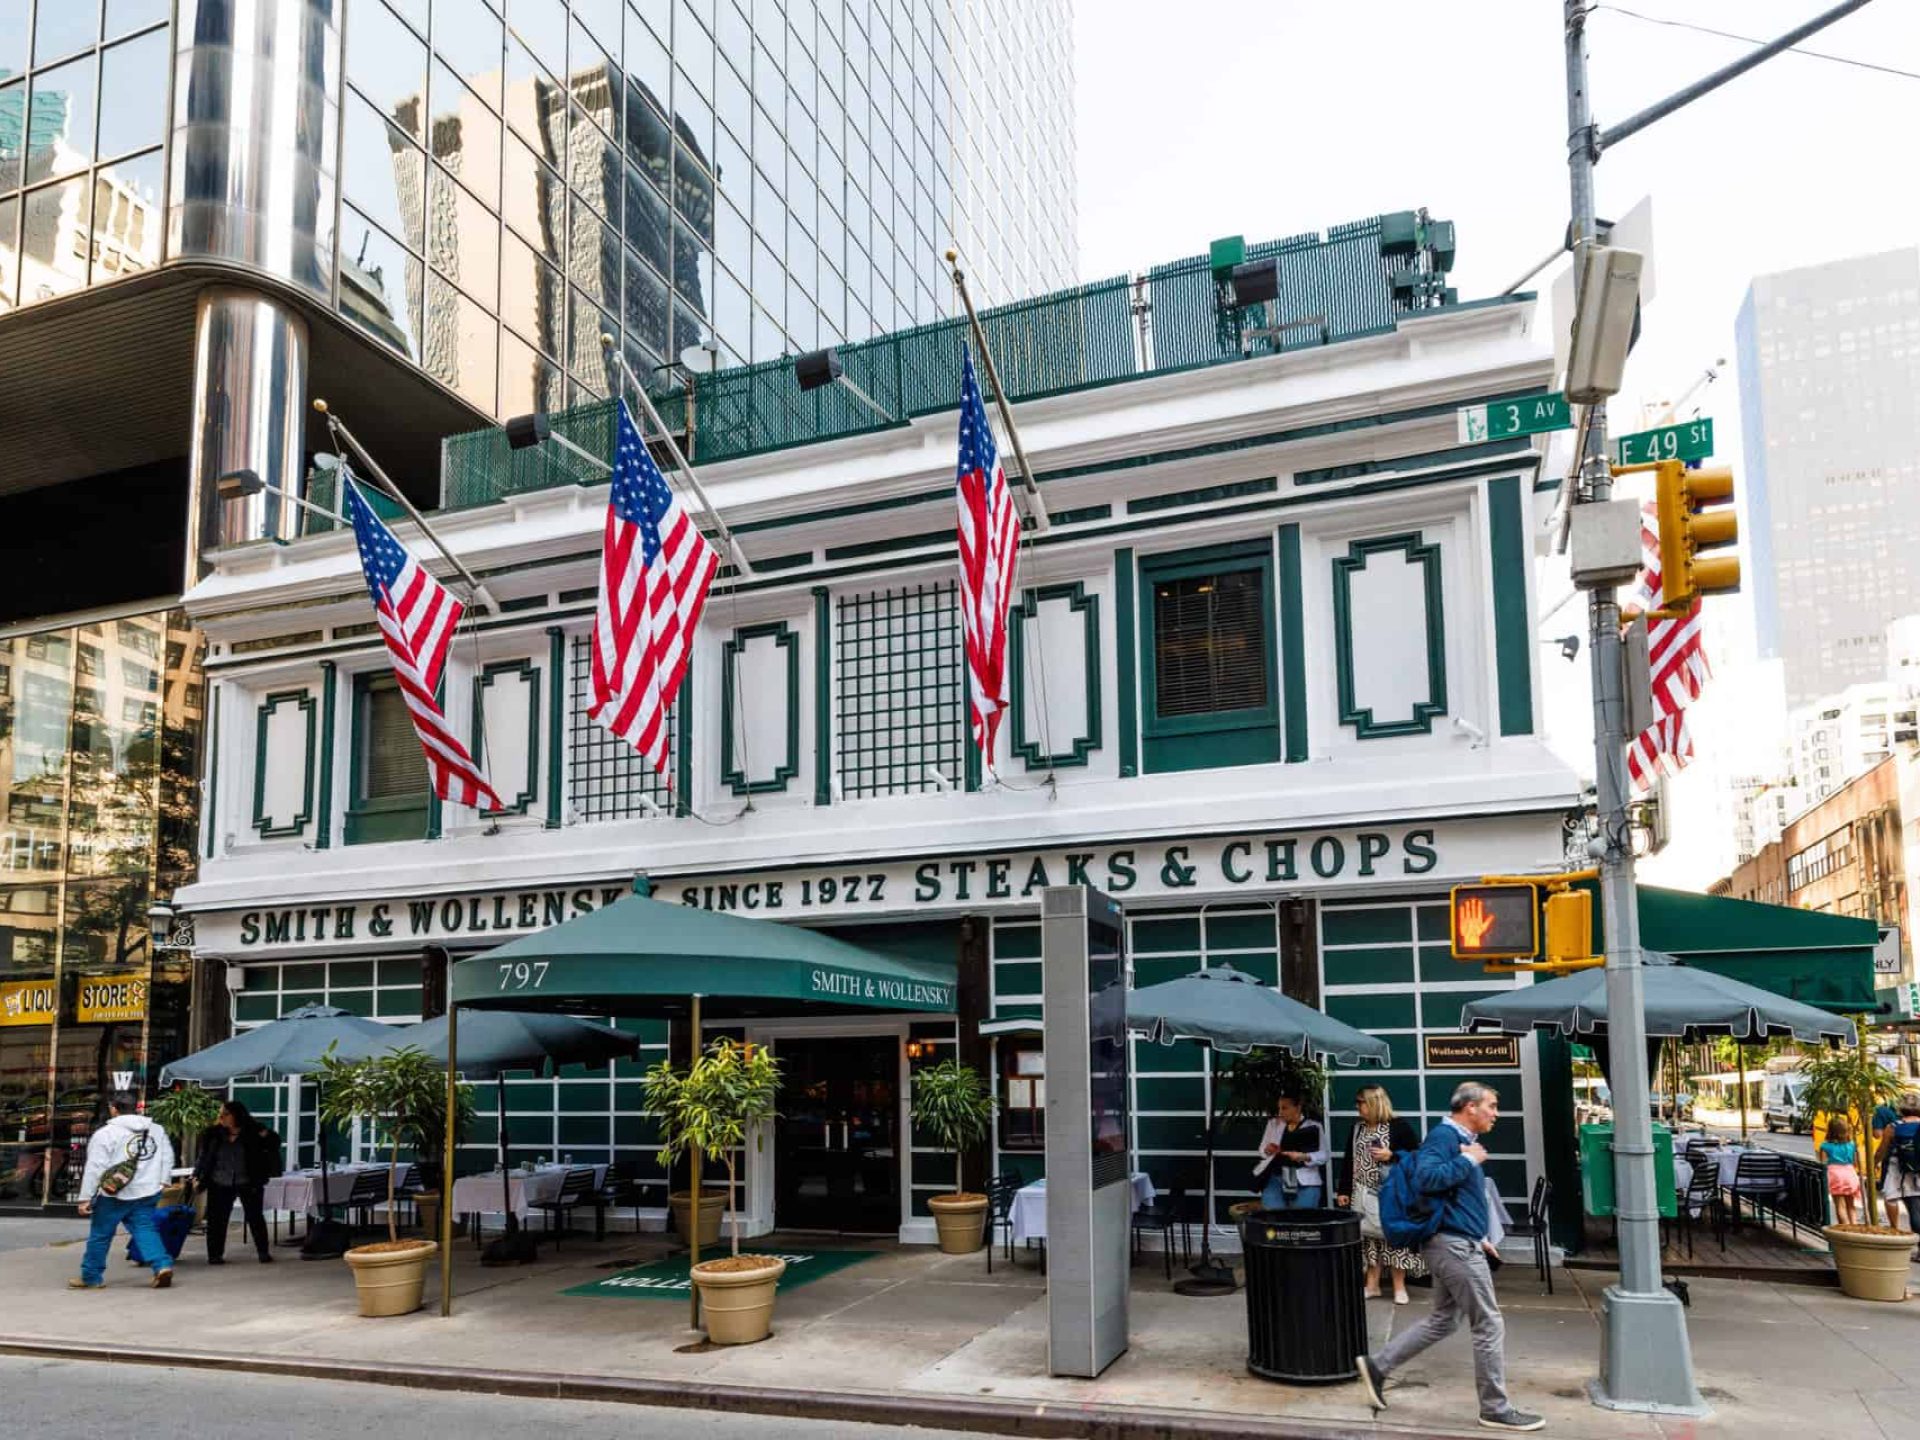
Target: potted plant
point(709, 1110)
point(952, 1106)
point(403, 1093)
point(1871, 1258)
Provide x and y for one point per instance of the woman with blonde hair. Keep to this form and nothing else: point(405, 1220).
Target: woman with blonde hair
point(1377, 1142)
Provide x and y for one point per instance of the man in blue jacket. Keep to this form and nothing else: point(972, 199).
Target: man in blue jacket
point(1447, 1171)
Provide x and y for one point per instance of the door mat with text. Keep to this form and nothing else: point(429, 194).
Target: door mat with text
point(670, 1278)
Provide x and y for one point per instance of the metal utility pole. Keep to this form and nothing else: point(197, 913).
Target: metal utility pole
point(1646, 1362)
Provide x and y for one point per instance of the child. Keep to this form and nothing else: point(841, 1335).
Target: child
point(1843, 1180)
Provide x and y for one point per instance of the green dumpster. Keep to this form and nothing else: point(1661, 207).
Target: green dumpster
point(1596, 1170)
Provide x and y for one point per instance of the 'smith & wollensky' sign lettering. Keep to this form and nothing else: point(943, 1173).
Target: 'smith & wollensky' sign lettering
point(1160, 870)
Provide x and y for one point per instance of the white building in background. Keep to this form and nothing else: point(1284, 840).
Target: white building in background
point(1829, 361)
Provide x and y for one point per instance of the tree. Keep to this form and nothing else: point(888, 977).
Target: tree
point(184, 1112)
point(404, 1093)
point(951, 1104)
point(710, 1109)
point(1249, 1086)
point(1852, 1082)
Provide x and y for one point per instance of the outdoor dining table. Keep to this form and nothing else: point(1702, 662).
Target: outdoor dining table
point(480, 1194)
point(1725, 1157)
point(301, 1191)
point(1029, 1209)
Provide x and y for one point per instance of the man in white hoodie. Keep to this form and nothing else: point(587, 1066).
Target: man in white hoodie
point(126, 1137)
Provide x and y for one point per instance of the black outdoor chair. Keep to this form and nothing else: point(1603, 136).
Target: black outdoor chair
point(576, 1189)
point(1167, 1212)
point(1702, 1197)
point(1760, 1177)
point(369, 1189)
point(1534, 1228)
point(621, 1190)
point(1000, 1193)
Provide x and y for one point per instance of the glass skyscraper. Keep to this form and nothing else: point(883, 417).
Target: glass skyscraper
point(486, 186)
point(1830, 425)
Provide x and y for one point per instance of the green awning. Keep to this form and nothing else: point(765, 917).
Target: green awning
point(1823, 960)
point(640, 957)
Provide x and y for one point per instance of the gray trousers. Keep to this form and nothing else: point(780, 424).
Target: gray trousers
point(1462, 1286)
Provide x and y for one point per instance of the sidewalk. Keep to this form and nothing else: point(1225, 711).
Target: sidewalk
point(936, 1336)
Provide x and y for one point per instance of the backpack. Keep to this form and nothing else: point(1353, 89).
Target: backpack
point(1408, 1218)
point(117, 1176)
point(1906, 1147)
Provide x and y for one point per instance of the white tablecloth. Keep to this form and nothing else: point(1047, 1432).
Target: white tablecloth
point(480, 1194)
point(300, 1190)
point(1726, 1159)
point(1029, 1212)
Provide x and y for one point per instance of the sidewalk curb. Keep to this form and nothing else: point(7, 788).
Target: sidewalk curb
point(1035, 1418)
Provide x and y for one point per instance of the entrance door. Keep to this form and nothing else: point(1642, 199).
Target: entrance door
point(837, 1147)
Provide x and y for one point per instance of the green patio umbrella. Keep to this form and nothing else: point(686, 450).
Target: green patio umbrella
point(1682, 1002)
point(284, 1049)
point(492, 1042)
point(1230, 1010)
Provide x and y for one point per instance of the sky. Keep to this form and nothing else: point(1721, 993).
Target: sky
point(1277, 117)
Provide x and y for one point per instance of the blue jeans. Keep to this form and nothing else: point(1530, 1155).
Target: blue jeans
point(1275, 1197)
point(109, 1214)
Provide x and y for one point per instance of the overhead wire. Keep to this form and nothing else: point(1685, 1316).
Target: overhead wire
point(1753, 40)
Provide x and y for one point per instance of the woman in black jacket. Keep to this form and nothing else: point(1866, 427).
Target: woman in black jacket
point(237, 1156)
point(1378, 1141)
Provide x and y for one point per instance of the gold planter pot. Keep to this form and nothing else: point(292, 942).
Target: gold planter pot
point(960, 1220)
point(391, 1282)
point(1871, 1266)
point(737, 1305)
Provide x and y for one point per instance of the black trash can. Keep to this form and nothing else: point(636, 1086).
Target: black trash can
point(1306, 1316)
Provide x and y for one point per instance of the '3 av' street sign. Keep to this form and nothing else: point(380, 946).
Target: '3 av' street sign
point(1529, 415)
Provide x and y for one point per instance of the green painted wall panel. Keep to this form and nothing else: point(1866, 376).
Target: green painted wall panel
point(1374, 1012)
point(1376, 965)
point(1176, 1093)
point(1151, 936)
point(1371, 925)
point(1016, 942)
point(1513, 646)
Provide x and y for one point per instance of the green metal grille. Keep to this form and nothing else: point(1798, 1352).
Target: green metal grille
point(607, 779)
point(1087, 335)
point(898, 687)
point(480, 466)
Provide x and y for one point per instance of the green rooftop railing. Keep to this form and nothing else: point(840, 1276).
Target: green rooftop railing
point(1356, 280)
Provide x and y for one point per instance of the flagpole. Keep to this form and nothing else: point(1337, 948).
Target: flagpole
point(741, 564)
point(345, 437)
point(1041, 521)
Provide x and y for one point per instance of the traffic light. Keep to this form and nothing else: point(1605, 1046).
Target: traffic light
point(1496, 921)
point(1569, 926)
point(1688, 526)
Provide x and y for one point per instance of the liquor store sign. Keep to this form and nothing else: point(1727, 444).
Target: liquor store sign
point(98, 1000)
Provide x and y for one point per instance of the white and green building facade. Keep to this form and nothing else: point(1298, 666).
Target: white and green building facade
point(1276, 690)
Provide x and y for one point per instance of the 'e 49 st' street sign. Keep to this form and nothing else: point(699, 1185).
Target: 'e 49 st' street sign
point(1690, 441)
point(1529, 415)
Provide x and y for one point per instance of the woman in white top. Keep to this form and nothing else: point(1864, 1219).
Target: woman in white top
point(1293, 1157)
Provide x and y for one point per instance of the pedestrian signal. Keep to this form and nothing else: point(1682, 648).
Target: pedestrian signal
point(1496, 922)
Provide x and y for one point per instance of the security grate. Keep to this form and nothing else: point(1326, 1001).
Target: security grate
point(607, 779)
point(899, 683)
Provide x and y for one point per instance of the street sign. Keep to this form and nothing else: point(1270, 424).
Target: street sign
point(1529, 415)
point(1691, 441)
point(1886, 953)
point(1496, 922)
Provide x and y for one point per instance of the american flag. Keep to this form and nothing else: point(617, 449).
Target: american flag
point(655, 570)
point(1679, 664)
point(417, 620)
point(989, 545)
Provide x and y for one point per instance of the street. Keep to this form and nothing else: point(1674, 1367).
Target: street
point(70, 1399)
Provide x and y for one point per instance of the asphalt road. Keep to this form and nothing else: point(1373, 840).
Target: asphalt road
point(1801, 1145)
point(82, 1400)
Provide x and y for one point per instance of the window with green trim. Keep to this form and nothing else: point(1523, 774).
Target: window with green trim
point(1208, 674)
point(389, 794)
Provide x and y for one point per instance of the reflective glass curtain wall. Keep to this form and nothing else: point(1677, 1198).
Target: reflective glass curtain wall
point(99, 745)
point(83, 119)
